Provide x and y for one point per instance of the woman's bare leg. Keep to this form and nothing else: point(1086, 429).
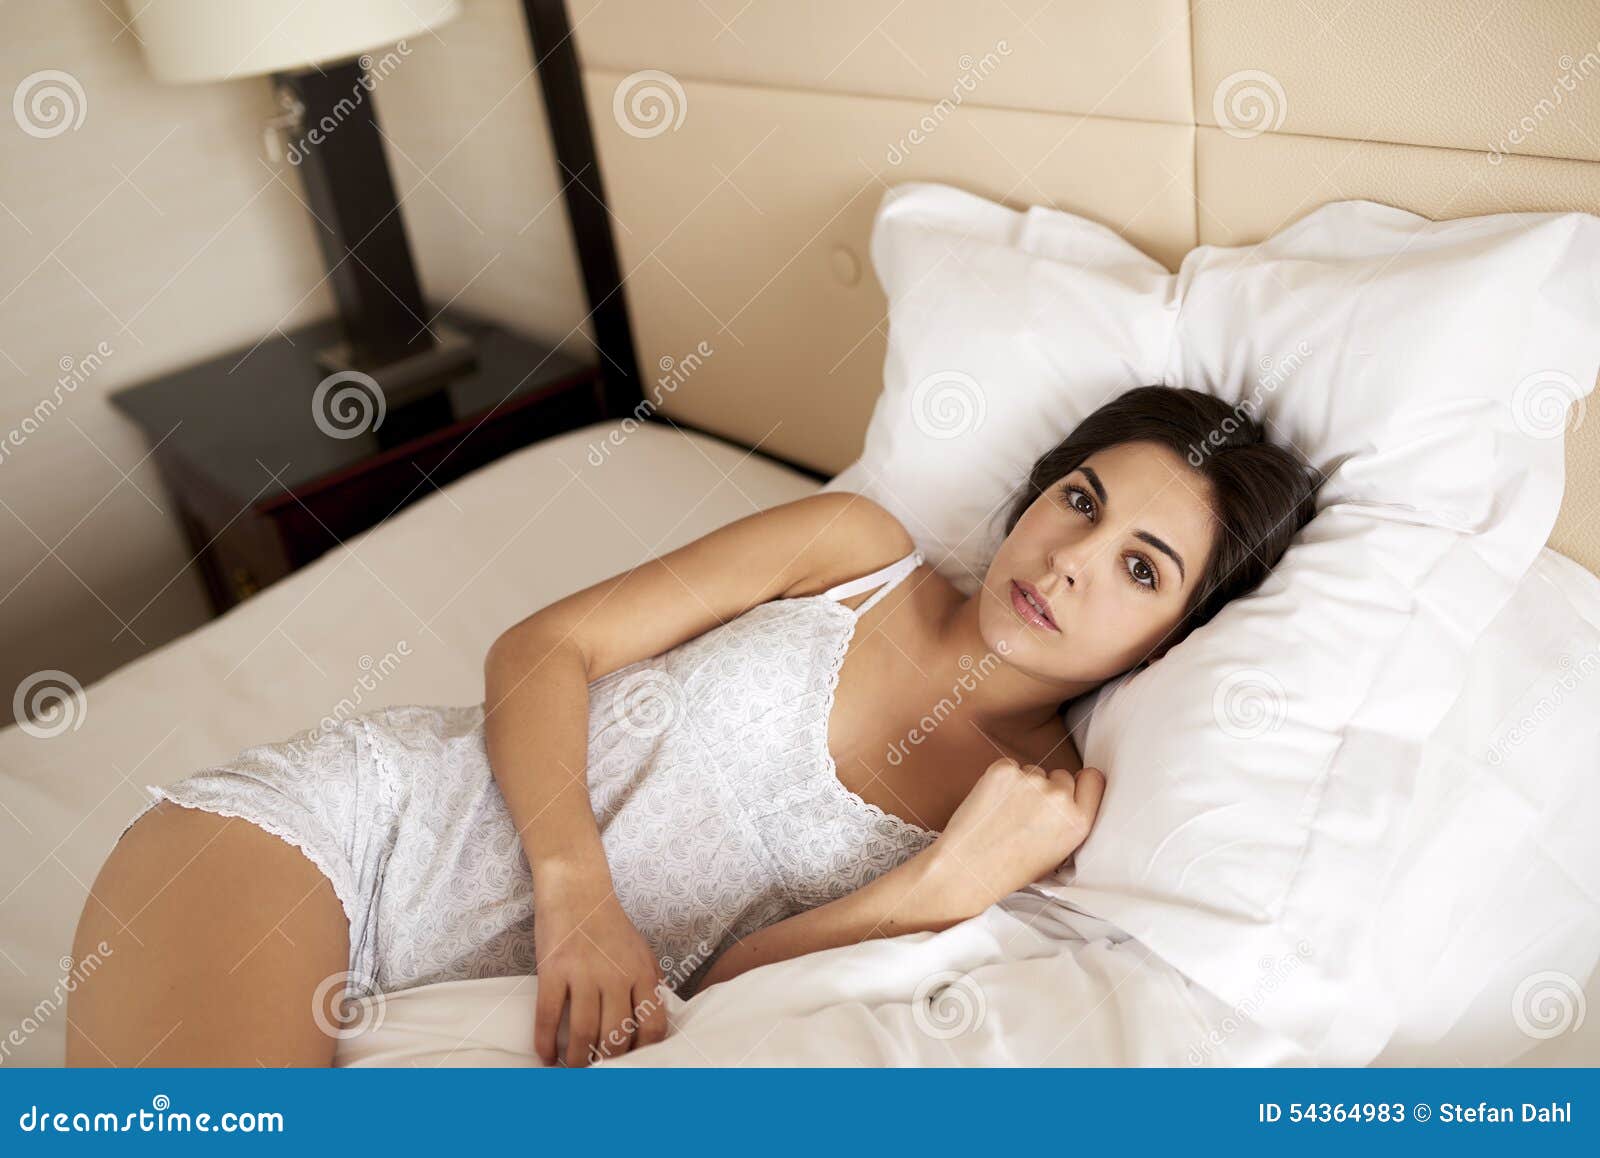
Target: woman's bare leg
point(217, 935)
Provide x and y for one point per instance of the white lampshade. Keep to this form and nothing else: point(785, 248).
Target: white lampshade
point(208, 40)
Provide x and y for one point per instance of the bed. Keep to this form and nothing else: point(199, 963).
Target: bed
point(761, 199)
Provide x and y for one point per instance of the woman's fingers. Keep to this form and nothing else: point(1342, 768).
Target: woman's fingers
point(616, 1021)
point(552, 994)
point(1089, 787)
point(650, 1004)
point(600, 1023)
point(583, 1029)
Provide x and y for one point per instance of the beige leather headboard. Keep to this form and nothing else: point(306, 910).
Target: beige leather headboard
point(742, 201)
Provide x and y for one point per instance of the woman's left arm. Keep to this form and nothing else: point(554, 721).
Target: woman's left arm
point(1016, 824)
point(927, 892)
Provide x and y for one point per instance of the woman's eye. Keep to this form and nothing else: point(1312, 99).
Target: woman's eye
point(1073, 494)
point(1141, 572)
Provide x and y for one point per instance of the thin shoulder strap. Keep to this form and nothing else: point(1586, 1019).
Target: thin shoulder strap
point(887, 576)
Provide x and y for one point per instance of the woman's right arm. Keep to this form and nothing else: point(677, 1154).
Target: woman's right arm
point(536, 704)
point(536, 733)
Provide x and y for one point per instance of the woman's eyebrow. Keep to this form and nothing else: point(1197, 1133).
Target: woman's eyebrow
point(1160, 546)
point(1100, 493)
point(1094, 481)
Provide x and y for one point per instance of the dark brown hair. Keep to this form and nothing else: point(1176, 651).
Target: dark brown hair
point(1261, 493)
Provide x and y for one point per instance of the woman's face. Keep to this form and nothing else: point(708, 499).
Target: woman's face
point(1114, 550)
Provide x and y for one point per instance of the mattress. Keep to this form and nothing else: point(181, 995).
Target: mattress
point(405, 614)
point(401, 614)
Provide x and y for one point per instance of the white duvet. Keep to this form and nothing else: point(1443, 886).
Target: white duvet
point(1036, 981)
point(1025, 983)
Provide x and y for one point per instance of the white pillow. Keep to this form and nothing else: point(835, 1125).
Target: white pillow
point(1005, 329)
point(1261, 775)
point(1490, 921)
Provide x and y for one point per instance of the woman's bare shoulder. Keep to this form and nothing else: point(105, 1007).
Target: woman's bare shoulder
point(795, 548)
point(864, 537)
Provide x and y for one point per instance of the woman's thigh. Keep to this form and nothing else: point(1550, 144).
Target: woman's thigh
point(215, 940)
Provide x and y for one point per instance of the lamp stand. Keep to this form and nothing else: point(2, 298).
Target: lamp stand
point(338, 148)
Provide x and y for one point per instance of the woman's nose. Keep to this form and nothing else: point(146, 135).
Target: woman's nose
point(1065, 564)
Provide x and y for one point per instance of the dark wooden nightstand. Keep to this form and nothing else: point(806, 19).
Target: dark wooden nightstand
point(263, 487)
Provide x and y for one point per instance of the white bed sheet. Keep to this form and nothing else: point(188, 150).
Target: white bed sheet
point(446, 576)
point(1028, 984)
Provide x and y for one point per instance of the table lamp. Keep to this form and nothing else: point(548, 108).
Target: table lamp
point(314, 54)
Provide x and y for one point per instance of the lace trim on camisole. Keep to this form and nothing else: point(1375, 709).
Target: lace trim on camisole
point(890, 578)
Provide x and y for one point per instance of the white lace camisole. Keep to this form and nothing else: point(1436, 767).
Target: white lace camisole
point(718, 804)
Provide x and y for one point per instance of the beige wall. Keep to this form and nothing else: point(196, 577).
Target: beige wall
point(747, 146)
point(158, 227)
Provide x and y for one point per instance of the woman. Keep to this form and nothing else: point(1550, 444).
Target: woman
point(714, 761)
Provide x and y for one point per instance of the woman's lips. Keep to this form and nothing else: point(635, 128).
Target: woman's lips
point(1025, 610)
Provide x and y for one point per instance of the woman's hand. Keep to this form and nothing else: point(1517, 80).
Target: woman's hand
point(1017, 824)
point(590, 956)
